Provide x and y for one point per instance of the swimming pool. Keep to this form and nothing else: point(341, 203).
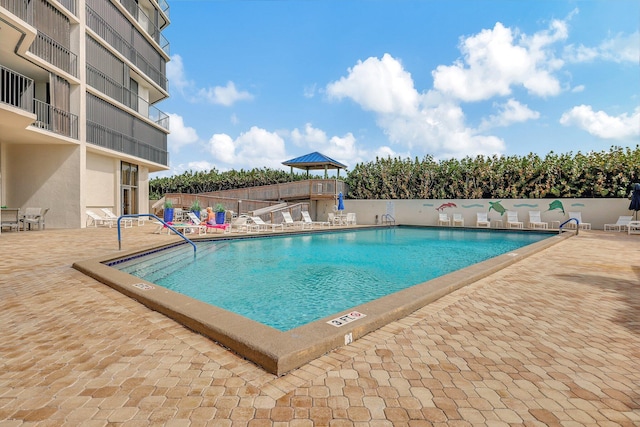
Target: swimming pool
point(287, 281)
point(279, 351)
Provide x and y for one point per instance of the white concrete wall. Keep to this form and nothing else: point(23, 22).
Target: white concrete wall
point(102, 185)
point(45, 176)
point(425, 211)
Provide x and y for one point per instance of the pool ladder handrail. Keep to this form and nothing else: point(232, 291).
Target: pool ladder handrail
point(569, 220)
point(161, 221)
point(387, 219)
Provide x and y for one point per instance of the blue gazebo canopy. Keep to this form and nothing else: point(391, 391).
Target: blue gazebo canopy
point(315, 161)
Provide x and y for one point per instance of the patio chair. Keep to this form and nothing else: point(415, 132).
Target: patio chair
point(578, 216)
point(127, 222)
point(482, 220)
point(443, 219)
point(10, 218)
point(351, 218)
point(333, 219)
point(621, 224)
point(95, 220)
point(31, 216)
point(458, 220)
point(512, 220)
point(263, 226)
point(535, 220)
point(307, 218)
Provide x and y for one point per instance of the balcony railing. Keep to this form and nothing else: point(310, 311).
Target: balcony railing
point(55, 120)
point(109, 138)
point(111, 88)
point(164, 6)
point(70, 5)
point(20, 8)
point(147, 23)
point(54, 53)
point(16, 90)
point(115, 40)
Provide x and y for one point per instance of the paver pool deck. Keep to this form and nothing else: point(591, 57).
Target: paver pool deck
point(553, 339)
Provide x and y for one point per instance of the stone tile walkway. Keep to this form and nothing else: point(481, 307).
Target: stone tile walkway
point(551, 340)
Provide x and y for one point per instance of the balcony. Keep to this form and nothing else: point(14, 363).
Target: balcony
point(55, 54)
point(108, 138)
point(20, 8)
point(70, 5)
point(115, 40)
point(55, 120)
point(114, 90)
point(16, 90)
point(147, 23)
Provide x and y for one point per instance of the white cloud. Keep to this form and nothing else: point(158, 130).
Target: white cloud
point(341, 148)
point(309, 91)
point(496, 60)
point(224, 95)
point(620, 48)
point(578, 89)
point(181, 134)
point(255, 148)
point(510, 112)
point(602, 125)
point(201, 165)
point(394, 91)
point(176, 75)
point(430, 122)
point(220, 95)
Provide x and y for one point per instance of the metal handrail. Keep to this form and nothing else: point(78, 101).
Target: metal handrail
point(569, 220)
point(387, 219)
point(161, 221)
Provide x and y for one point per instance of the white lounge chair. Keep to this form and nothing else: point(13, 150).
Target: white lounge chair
point(621, 224)
point(263, 226)
point(535, 220)
point(240, 224)
point(204, 227)
point(307, 219)
point(458, 220)
point(482, 220)
point(443, 219)
point(578, 216)
point(95, 220)
point(127, 222)
point(512, 220)
point(289, 222)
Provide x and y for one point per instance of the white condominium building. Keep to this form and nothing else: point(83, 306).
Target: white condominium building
point(78, 125)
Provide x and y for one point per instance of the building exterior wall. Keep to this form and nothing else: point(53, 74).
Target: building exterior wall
point(597, 212)
point(80, 80)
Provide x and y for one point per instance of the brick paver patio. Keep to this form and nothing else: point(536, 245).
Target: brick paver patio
point(551, 340)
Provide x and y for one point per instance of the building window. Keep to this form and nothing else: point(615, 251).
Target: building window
point(129, 188)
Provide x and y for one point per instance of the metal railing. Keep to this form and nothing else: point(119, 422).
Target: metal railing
point(113, 140)
point(567, 221)
point(53, 52)
point(22, 9)
point(161, 221)
point(147, 23)
point(113, 89)
point(16, 90)
point(55, 120)
point(115, 40)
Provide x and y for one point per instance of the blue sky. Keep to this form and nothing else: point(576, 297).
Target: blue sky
point(255, 82)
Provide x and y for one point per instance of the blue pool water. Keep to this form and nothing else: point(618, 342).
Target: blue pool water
point(285, 282)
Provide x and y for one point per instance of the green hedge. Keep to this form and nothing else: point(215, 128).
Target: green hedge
point(596, 174)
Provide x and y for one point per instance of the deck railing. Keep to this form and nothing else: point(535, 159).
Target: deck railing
point(16, 90)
